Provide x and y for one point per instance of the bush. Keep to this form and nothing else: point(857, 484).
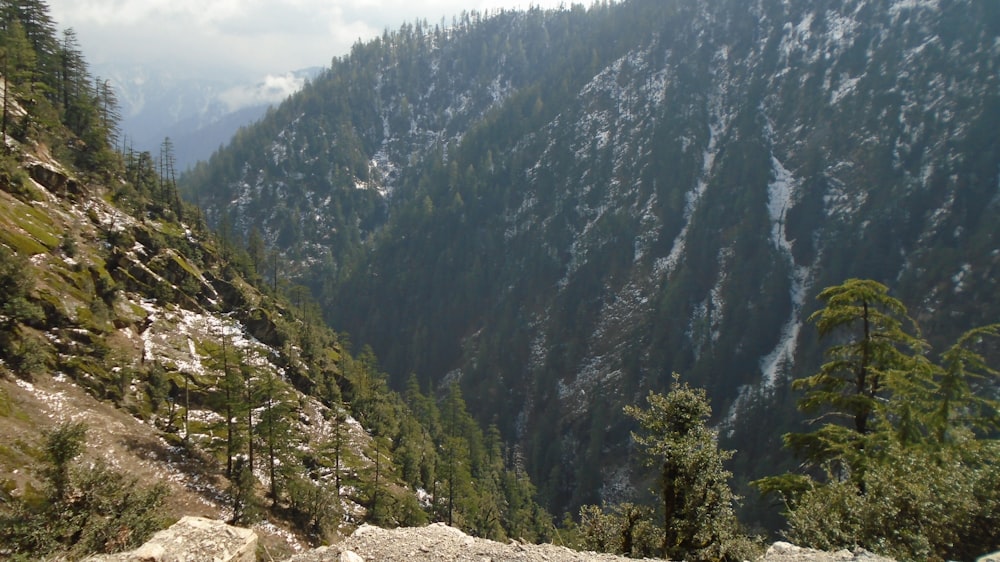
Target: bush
point(85, 510)
point(921, 505)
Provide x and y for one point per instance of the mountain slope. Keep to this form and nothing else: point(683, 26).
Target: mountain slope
point(560, 208)
point(147, 371)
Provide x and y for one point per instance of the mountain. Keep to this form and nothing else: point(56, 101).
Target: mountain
point(198, 115)
point(557, 209)
point(150, 369)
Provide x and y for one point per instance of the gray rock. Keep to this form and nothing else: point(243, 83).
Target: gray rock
point(193, 538)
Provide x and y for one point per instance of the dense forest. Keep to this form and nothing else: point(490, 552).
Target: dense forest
point(572, 250)
point(280, 420)
point(559, 209)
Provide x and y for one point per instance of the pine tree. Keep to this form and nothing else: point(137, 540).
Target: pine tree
point(697, 502)
point(62, 445)
point(877, 354)
point(456, 458)
point(110, 111)
point(245, 505)
point(957, 404)
point(273, 428)
point(909, 474)
point(72, 69)
point(19, 63)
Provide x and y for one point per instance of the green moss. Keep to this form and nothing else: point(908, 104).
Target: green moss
point(185, 265)
point(169, 228)
point(34, 222)
point(21, 244)
point(11, 457)
point(31, 450)
point(74, 284)
point(139, 311)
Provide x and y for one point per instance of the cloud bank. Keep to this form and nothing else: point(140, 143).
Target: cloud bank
point(244, 37)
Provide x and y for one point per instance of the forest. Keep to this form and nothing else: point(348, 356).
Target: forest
point(893, 433)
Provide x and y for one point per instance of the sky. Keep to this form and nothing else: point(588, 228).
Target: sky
point(244, 37)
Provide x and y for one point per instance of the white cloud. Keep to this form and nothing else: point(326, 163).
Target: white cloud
point(272, 90)
point(250, 37)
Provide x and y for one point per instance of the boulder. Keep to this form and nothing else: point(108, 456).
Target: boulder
point(53, 179)
point(193, 538)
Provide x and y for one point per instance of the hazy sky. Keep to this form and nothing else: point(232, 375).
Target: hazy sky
point(248, 37)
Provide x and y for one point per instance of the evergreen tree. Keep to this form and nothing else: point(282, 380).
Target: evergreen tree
point(109, 110)
point(697, 502)
point(456, 462)
point(62, 446)
point(274, 429)
point(245, 505)
point(73, 75)
point(19, 62)
point(256, 250)
point(958, 405)
point(873, 355)
point(233, 402)
point(84, 510)
point(911, 475)
point(16, 284)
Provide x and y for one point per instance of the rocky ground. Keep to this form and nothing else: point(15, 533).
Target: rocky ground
point(439, 542)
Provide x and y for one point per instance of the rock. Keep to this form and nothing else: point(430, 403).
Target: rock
point(193, 538)
point(438, 542)
point(995, 557)
point(348, 556)
point(53, 179)
point(787, 552)
point(261, 326)
point(781, 548)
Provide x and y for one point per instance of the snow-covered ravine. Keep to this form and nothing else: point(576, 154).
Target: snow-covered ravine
point(781, 193)
point(718, 125)
point(780, 196)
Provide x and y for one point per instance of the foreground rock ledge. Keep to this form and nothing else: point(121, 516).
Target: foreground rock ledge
point(193, 539)
point(198, 539)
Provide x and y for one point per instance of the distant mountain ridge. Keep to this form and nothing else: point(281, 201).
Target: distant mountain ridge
point(559, 208)
point(198, 115)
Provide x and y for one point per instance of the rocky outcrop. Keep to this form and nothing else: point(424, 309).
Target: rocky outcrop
point(439, 542)
point(785, 552)
point(193, 538)
point(54, 179)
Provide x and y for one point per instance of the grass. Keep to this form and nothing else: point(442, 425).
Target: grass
point(6, 407)
point(23, 245)
point(34, 222)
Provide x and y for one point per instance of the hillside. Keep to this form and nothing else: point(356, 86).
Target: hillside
point(560, 208)
point(130, 312)
point(148, 371)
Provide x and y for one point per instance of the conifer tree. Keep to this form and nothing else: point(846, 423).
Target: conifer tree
point(874, 355)
point(62, 445)
point(697, 502)
point(18, 66)
point(72, 68)
point(274, 428)
point(455, 454)
point(909, 474)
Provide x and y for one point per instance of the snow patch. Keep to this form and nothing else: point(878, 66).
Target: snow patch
point(718, 124)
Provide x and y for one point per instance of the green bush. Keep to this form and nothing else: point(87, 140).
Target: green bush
point(83, 510)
